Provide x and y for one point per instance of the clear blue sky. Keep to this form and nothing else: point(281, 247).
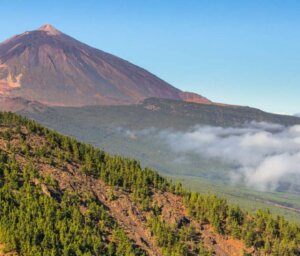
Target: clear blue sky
point(239, 52)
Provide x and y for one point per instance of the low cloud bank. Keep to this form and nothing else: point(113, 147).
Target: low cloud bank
point(262, 155)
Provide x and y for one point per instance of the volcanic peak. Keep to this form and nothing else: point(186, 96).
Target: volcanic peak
point(49, 29)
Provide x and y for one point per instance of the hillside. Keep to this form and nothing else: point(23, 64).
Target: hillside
point(134, 131)
point(53, 68)
point(74, 199)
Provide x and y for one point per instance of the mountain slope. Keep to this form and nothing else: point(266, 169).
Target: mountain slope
point(152, 112)
point(134, 131)
point(48, 66)
point(77, 200)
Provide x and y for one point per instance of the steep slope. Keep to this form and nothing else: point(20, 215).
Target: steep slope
point(134, 131)
point(48, 66)
point(77, 200)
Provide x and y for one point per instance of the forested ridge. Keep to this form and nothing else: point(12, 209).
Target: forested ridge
point(41, 215)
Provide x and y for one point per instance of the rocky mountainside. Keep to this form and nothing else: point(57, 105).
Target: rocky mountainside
point(51, 67)
point(74, 199)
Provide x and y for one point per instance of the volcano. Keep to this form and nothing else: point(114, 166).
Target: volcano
point(55, 69)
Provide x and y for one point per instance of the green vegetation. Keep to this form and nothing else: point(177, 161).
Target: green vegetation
point(246, 198)
point(99, 125)
point(174, 241)
point(33, 223)
point(262, 231)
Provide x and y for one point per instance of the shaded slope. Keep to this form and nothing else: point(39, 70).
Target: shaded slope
point(162, 113)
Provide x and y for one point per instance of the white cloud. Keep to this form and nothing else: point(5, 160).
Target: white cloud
point(263, 154)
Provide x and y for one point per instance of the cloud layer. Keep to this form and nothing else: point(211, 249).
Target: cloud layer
point(262, 155)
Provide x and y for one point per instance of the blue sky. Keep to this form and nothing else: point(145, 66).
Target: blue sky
point(239, 52)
